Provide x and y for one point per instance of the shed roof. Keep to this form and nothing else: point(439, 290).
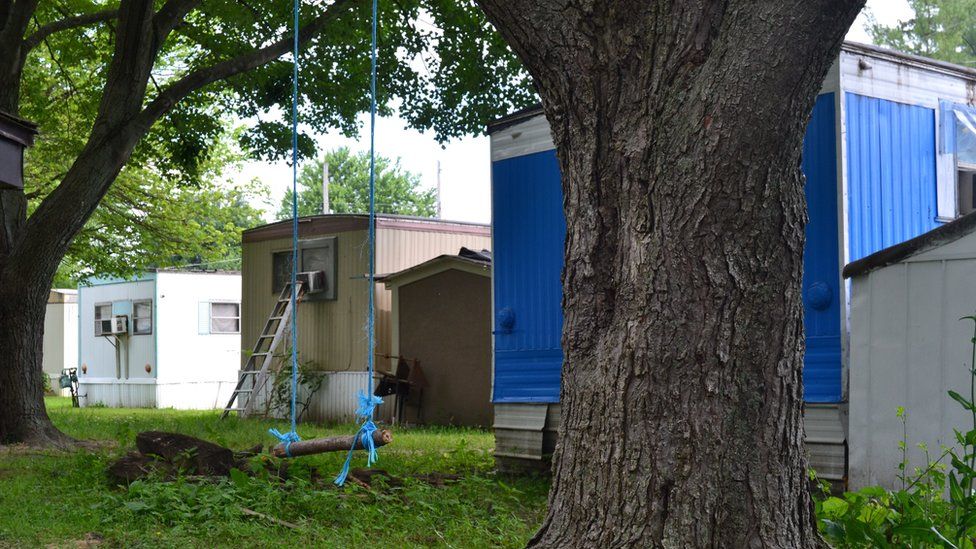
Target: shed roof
point(939, 236)
point(470, 261)
point(62, 295)
point(339, 223)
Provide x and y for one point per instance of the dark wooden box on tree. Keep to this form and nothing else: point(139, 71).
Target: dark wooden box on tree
point(16, 134)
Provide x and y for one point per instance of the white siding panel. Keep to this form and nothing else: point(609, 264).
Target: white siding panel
point(96, 353)
point(196, 370)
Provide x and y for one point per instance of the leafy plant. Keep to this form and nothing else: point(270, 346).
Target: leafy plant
point(310, 380)
point(918, 514)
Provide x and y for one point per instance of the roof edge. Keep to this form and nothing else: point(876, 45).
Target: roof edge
point(909, 59)
point(389, 279)
point(857, 48)
point(950, 232)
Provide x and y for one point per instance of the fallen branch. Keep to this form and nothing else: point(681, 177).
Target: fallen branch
point(252, 513)
point(331, 444)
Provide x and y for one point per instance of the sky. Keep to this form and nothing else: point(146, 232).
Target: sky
point(464, 163)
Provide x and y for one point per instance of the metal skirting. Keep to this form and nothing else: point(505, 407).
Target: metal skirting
point(335, 401)
point(526, 433)
point(118, 395)
point(826, 440)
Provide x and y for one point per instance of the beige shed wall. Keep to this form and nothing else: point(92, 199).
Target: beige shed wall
point(332, 333)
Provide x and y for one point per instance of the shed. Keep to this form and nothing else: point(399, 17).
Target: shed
point(886, 158)
point(442, 325)
point(60, 333)
point(164, 339)
point(909, 348)
point(331, 334)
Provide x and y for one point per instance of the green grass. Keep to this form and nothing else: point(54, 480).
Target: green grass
point(59, 498)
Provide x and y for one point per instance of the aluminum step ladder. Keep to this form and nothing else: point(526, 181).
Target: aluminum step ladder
point(254, 375)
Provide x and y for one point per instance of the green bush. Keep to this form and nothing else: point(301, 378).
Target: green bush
point(918, 514)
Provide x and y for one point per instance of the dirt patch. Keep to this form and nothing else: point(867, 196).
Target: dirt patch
point(91, 539)
point(169, 455)
point(34, 450)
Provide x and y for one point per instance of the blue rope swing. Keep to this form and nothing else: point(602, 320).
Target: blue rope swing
point(367, 402)
point(292, 436)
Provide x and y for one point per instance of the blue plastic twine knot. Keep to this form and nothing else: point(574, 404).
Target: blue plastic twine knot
point(286, 439)
point(367, 403)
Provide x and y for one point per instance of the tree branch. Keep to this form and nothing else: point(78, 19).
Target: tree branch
point(67, 23)
point(242, 63)
point(171, 15)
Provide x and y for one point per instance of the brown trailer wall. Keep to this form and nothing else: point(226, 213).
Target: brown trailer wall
point(445, 323)
point(331, 333)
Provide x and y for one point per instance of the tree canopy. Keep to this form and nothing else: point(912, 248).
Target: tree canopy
point(940, 29)
point(140, 87)
point(449, 73)
point(397, 190)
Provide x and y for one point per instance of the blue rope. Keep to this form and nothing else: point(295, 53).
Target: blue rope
point(368, 402)
point(292, 436)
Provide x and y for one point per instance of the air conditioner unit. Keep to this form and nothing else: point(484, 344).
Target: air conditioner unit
point(116, 325)
point(314, 281)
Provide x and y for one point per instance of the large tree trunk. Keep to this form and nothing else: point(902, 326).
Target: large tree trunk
point(22, 414)
point(679, 128)
point(31, 249)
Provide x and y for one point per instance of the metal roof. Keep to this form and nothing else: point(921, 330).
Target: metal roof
point(482, 267)
point(856, 48)
point(339, 223)
point(945, 234)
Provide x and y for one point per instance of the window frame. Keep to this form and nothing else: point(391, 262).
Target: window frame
point(136, 319)
point(237, 318)
point(97, 328)
point(332, 294)
point(275, 288)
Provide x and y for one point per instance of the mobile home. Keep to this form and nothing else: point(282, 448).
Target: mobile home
point(165, 339)
point(886, 157)
point(331, 323)
point(60, 333)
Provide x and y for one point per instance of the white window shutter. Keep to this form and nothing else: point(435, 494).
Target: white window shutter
point(203, 317)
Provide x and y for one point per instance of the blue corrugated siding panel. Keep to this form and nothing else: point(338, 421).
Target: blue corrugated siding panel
point(821, 258)
point(528, 232)
point(891, 173)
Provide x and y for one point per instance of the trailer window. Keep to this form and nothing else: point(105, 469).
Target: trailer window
point(142, 317)
point(965, 137)
point(225, 318)
point(280, 271)
point(103, 313)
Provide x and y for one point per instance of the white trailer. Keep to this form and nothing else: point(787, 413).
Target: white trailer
point(165, 339)
point(60, 334)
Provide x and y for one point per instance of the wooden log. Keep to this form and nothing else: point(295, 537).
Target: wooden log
point(381, 437)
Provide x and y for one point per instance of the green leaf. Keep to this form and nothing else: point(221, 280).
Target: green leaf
point(239, 478)
point(136, 506)
point(834, 507)
point(961, 400)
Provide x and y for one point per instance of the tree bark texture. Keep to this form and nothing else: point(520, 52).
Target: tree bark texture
point(679, 128)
